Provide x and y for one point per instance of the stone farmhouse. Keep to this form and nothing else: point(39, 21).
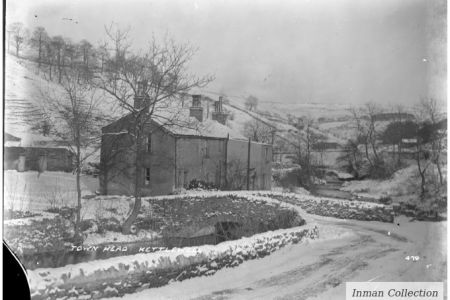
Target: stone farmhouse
point(203, 149)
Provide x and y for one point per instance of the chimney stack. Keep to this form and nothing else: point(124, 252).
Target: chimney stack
point(219, 115)
point(140, 96)
point(196, 110)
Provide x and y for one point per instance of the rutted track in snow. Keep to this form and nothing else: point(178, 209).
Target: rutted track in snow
point(374, 252)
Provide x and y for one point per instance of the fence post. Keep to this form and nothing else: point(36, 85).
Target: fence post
point(248, 166)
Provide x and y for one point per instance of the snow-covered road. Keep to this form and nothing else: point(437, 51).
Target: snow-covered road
point(318, 270)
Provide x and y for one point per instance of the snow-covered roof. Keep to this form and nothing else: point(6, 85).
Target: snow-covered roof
point(190, 126)
point(10, 137)
point(178, 122)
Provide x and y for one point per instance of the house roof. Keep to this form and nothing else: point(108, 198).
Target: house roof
point(11, 138)
point(176, 120)
point(207, 128)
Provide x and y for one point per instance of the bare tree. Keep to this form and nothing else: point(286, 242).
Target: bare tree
point(19, 34)
point(251, 103)
point(361, 132)
point(422, 155)
point(160, 77)
point(38, 40)
point(85, 48)
point(58, 45)
point(73, 116)
point(431, 112)
point(351, 157)
point(102, 54)
point(365, 120)
point(311, 138)
point(49, 58)
point(258, 131)
point(303, 154)
point(372, 135)
point(70, 54)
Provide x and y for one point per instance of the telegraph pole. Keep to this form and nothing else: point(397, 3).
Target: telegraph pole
point(248, 165)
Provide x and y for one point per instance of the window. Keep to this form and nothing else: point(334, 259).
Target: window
point(180, 178)
point(148, 143)
point(206, 150)
point(185, 179)
point(267, 154)
point(147, 176)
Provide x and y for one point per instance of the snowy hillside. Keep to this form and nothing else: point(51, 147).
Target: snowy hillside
point(26, 88)
point(313, 110)
point(278, 121)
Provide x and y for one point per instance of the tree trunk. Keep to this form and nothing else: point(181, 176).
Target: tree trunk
point(437, 147)
point(366, 147)
point(59, 67)
point(393, 152)
point(422, 174)
point(137, 189)
point(438, 165)
point(422, 184)
point(78, 182)
point(40, 53)
point(374, 149)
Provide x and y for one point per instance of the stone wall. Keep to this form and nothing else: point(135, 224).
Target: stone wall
point(341, 209)
point(159, 268)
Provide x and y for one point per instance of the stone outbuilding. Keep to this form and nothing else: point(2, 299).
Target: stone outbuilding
point(35, 153)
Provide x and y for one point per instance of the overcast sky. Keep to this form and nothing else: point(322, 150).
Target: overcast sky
point(388, 51)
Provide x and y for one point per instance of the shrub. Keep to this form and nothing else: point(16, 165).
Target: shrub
point(110, 224)
point(200, 184)
point(381, 170)
point(92, 169)
point(385, 200)
point(286, 177)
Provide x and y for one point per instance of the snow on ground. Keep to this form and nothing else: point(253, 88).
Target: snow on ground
point(373, 252)
point(153, 261)
point(405, 181)
point(30, 192)
point(315, 110)
point(118, 237)
point(27, 221)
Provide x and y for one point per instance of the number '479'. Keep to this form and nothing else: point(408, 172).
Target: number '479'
point(413, 258)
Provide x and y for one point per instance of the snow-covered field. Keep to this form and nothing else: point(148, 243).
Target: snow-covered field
point(28, 191)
